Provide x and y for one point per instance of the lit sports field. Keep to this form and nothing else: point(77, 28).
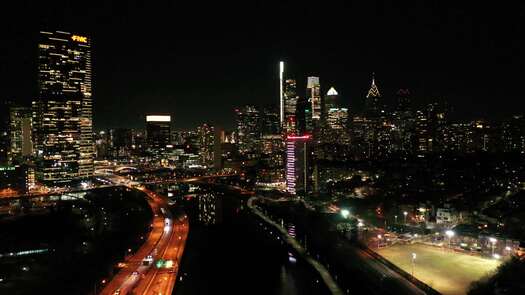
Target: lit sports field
point(448, 272)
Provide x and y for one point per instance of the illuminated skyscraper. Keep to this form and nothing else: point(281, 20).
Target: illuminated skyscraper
point(331, 99)
point(298, 174)
point(422, 135)
point(121, 142)
point(249, 129)
point(20, 133)
point(270, 121)
point(314, 97)
point(333, 116)
point(290, 106)
point(337, 118)
point(373, 106)
point(303, 116)
point(513, 135)
point(334, 119)
point(404, 122)
point(206, 144)
point(62, 114)
point(281, 91)
point(4, 132)
point(158, 131)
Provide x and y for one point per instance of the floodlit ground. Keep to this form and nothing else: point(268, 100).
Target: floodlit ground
point(448, 272)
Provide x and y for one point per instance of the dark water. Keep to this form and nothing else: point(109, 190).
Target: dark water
point(236, 255)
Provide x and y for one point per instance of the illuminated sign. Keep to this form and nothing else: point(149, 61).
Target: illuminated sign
point(78, 38)
point(157, 118)
point(292, 137)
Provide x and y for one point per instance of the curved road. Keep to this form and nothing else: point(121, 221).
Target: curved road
point(166, 241)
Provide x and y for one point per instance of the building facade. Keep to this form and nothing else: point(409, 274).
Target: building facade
point(62, 114)
point(249, 129)
point(298, 166)
point(313, 89)
point(158, 131)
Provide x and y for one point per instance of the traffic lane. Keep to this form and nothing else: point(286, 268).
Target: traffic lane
point(162, 246)
point(121, 280)
point(163, 280)
point(166, 279)
point(180, 251)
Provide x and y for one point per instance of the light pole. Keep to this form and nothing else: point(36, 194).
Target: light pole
point(378, 240)
point(493, 241)
point(449, 234)
point(413, 262)
point(405, 215)
point(395, 216)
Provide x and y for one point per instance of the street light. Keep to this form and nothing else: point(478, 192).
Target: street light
point(379, 237)
point(449, 234)
point(395, 216)
point(405, 214)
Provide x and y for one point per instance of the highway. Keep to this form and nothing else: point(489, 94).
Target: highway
point(166, 241)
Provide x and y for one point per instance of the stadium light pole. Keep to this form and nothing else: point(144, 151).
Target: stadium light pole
point(493, 241)
point(414, 255)
point(449, 234)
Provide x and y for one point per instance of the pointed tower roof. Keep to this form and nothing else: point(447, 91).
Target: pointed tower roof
point(373, 92)
point(332, 91)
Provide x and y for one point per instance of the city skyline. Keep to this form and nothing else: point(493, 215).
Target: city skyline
point(261, 148)
point(166, 60)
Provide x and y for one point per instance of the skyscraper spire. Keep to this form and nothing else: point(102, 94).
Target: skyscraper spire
point(281, 92)
point(373, 92)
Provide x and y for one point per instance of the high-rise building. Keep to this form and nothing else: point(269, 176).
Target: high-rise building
point(281, 92)
point(403, 100)
point(298, 166)
point(20, 137)
point(290, 106)
point(4, 132)
point(103, 145)
point(15, 178)
point(403, 119)
point(62, 114)
point(331, 101)
point(248, 129)
point(121, 142)
point(373, 105)
point(513, 134)
point(314, 97)
point(422, 134)
point(158, 131)
point(304, 124)
point(270, 121)
point(206, 144)
point(337, 118)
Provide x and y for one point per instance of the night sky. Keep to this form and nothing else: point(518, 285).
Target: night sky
point(199, 61)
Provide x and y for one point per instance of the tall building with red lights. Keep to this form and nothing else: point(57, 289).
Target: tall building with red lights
point(298, 174)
